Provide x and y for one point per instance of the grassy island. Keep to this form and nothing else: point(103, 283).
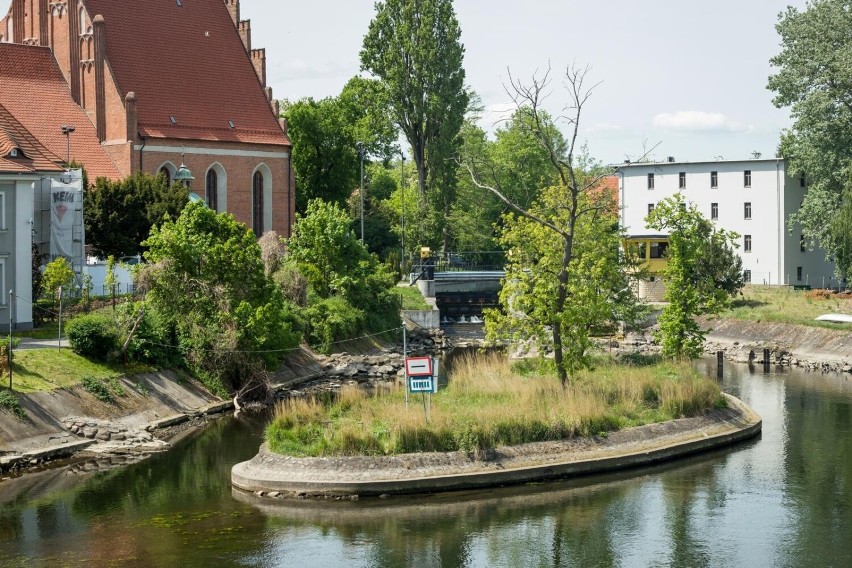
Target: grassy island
point(489, 403)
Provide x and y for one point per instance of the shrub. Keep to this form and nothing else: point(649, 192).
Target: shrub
point(92, 336)
point(332, 320)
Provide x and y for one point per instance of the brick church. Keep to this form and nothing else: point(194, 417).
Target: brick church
point(162, 83)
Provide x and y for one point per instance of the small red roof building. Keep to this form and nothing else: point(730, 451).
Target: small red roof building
point(155, 84)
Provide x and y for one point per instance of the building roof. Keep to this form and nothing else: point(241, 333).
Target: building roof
point(186, 60)
point(35, 93)
point(699, 162)
point(32, 155)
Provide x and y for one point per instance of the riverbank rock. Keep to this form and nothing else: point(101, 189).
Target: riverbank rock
point(113, 437)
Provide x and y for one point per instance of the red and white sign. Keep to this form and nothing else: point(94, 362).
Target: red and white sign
point(418, 366)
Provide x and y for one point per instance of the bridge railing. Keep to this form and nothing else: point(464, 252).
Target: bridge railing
point(470, 261)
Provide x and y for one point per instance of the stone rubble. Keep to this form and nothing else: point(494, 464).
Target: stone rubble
point(113, 438)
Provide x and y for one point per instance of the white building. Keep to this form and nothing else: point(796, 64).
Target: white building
point(754, 198)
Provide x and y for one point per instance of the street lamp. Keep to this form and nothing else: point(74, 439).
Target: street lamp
point(66, 131)
point(402, 197)
point(183, 175)
point(360, 147)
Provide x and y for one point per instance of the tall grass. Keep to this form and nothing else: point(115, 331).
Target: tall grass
point(491, 403)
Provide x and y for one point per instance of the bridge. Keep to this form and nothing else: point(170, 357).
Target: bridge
point(462, 283)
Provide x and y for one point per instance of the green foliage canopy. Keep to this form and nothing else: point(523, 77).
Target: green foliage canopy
point(119, 215)
point(814, 79)
point(325, 132)
point(596, 278)
point(207, 278)
point(414, 48)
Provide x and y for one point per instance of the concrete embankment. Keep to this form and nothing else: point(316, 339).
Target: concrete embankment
point(269, 474)
point(815, 348)
point(65, 422)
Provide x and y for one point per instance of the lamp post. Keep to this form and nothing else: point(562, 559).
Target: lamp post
point(183, 175)
point(402, 197)
point(66, 131)
point(360, 147)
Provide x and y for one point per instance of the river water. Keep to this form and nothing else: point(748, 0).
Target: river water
point(784, 499)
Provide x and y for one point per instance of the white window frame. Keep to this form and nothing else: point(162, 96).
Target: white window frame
point(747, 243)
point(714, 211)
point(747, 210)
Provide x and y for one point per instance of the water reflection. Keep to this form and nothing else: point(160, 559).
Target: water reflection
point(782, 500)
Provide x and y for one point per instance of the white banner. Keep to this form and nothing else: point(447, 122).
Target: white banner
point(66, 199)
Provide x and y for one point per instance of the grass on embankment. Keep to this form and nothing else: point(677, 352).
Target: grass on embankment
point(785, 305)
point(40, 370)
point(491, 403)
point(412, 299)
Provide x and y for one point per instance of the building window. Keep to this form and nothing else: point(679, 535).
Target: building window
point(681, 180)
point(802, 181)
point(714, 211)
point(747, 178)
point(3, 226)
point(747, 276)
point(212, 189)
point(650, 208)
point(4, 298)
point(802, 247)
point(658, 250)
point(164, 171)
point(257, 204)
point(747, 210)
point(747, 243)
point(650, 181)
point(799, 273)
point(714, 179)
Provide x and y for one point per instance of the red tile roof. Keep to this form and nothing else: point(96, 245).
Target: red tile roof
point(34, 91)
point(32, 156)
point(186, 62)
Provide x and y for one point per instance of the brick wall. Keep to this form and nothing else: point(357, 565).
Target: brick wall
point(239, 172)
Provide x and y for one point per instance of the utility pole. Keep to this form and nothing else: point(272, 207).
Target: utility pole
point(60, 319)
point(360, 147)
point(11, 296)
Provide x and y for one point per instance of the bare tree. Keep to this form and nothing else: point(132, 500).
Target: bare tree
point(575, 181)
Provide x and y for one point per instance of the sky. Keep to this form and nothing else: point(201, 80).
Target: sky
point(684, 77)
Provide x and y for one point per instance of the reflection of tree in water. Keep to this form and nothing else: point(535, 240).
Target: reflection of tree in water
point(818, 474)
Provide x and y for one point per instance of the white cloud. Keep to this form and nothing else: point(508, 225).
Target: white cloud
point(698, 121)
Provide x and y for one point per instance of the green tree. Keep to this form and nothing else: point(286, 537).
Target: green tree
point(325, 133)
point(207, 280)
point(515, 162)
point(58, 272)
point(337, 267)
point(841, 231)
point(556, 305)
point(814, 79)
point(414, 48)
point(119, 215)
point(702, 273)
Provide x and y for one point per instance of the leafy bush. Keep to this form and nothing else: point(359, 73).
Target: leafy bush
point(331, 320)
point(10, 402)
point(92, 335)
point(104, 390)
